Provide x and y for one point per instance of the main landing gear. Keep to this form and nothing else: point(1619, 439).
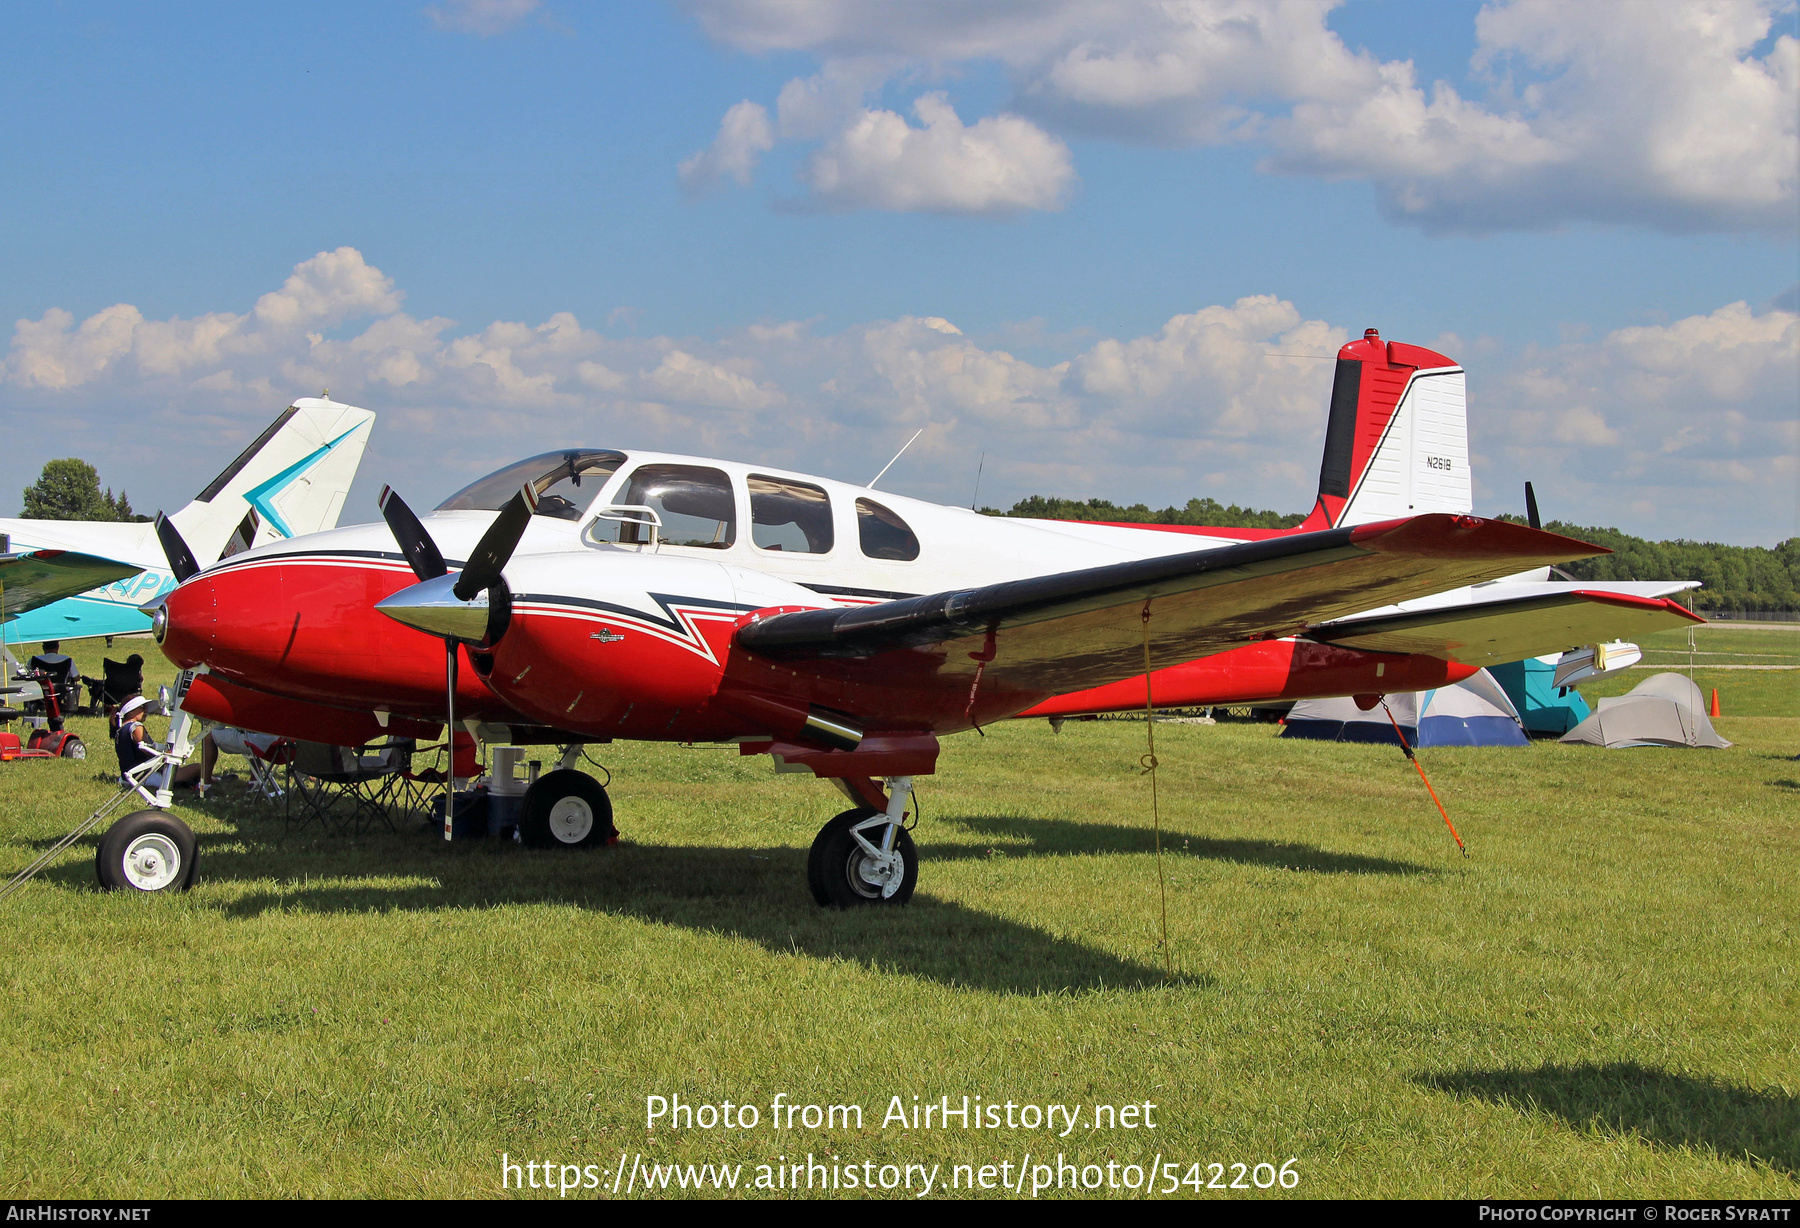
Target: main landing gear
point(566, 809)
point(865, 855)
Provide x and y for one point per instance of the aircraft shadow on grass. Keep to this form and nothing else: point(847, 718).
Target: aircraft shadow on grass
point(753, 893)
point(1625, 1098)
point(1065, 837)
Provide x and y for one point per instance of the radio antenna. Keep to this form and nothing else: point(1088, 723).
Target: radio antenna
point(897, 456)
point(976, 497)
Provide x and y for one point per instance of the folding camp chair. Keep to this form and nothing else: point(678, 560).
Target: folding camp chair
point(263, 753)
point(263, 764)
point(120, 681)
point(343, 788)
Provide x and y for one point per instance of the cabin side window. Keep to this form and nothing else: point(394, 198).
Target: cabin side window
point(793, 517)
point(694, 503)
point(884, 535)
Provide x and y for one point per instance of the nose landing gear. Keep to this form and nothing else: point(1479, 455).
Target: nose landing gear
point(147, 851)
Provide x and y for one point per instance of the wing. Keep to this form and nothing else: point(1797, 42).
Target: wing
point(34, 578)
point(1501, 629)
point(1079, 629)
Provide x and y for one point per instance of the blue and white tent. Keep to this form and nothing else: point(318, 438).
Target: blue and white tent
point(1474, 712)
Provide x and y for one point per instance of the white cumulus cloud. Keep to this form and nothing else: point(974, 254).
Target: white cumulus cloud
point(1677, 114)
point(1001, 164)
point(744, 136)
point(483, 17)
point(1694, 421)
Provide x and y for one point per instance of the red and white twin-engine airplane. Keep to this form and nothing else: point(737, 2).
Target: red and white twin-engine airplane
point(589, 595)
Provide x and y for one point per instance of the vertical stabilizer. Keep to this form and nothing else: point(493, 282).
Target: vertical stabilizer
point(1397, 442)
point(292, 480)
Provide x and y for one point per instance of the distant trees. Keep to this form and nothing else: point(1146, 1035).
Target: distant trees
point(1732, 577)
point(69, 489)
point(1202, 512)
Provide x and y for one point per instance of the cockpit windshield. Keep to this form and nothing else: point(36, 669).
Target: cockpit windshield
point(566, 483)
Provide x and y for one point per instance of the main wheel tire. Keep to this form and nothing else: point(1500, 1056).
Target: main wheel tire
point(149, 850)
point(835, 864)
point(74, 748)
point(566, 809)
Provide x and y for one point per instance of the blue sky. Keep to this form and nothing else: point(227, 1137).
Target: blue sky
point(1568, 199)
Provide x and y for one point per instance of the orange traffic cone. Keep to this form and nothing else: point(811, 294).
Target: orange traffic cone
point(1714, 710)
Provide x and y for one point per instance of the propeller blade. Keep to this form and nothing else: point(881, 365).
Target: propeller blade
point(415, 543)
point(1531, 512)
point(181, 559)
point(496, 546)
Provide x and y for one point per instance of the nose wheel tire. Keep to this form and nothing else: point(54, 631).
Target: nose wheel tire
point(149, 851)
point(566, 809)
point(844, 874)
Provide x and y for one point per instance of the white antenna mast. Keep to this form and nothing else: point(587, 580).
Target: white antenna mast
point(897, 456)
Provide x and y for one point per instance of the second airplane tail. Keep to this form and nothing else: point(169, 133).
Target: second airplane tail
point(291, 480)
point(1397, 442)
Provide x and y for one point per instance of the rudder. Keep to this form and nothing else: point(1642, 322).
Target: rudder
point(1397, 441)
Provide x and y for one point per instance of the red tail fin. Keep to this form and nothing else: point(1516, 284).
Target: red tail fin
point(1397, 440)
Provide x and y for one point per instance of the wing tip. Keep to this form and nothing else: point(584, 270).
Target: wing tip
point(1443, 534)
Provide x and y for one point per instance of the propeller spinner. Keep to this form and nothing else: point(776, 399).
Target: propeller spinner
point(472, 606)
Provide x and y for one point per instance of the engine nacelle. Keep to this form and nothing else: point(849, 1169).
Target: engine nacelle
point(628, 645)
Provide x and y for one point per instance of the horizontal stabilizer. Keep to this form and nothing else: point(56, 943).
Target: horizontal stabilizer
point(36, 578)
point(1511, 628)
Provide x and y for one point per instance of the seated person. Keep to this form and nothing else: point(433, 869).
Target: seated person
point(133, 744)
point(61, 668)
point(53, 660)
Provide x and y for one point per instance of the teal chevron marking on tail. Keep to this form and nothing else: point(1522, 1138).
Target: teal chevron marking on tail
point(262, 497)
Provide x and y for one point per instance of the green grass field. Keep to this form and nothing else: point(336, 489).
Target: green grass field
point(1599, 1001)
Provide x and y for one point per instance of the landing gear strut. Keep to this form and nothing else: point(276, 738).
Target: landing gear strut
point(865, 856)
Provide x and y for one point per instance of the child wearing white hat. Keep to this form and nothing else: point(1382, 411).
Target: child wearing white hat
point(133, 744)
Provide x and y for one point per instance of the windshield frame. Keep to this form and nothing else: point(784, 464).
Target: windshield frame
point(490, 492)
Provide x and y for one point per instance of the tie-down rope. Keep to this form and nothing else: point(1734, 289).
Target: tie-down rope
point(1420, 769)
point(1149, 765)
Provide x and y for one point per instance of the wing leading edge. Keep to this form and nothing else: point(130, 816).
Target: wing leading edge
point(1079, 629)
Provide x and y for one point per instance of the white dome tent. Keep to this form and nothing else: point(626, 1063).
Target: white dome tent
point(1662, 710)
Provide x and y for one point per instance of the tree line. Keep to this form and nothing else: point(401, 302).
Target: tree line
point(1198, 512)
point(69, 489)
point(1732, 577)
